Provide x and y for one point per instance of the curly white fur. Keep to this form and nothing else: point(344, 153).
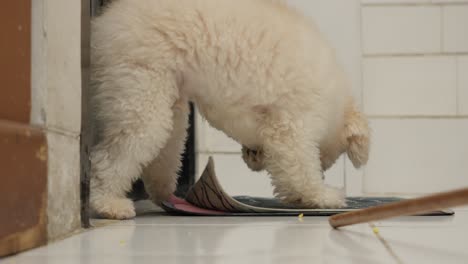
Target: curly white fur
point(256, 69)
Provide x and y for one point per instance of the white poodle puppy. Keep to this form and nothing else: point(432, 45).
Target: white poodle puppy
point(256, 69)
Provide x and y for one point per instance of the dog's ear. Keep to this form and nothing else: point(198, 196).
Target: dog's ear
point(357, 135)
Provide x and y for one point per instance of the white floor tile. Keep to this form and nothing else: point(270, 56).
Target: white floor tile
point(251, 240)
point(156, 238)
point(428, 239)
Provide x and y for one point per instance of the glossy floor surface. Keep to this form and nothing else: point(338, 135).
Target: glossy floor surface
point(157, 238)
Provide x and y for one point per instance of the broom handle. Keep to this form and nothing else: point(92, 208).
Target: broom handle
point(406, 207)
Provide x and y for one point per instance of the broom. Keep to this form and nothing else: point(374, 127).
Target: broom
point(424, 204)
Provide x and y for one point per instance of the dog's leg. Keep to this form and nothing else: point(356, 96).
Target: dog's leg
point(134, 111)
point(292, 158)
point(160, 177)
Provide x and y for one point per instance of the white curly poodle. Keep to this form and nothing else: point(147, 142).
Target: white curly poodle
point(256, 69)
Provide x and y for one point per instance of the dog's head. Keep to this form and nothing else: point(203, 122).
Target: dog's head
point(353, 138)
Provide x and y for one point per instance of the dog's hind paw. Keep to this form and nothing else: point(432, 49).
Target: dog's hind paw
point(253, 158)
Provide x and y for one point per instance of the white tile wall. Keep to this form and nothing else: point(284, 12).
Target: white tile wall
point(409, 2)
point(417, 156)
point(63, 182)
point(385, 2)
point(353, 179)
point(56, 106)
point(332, 16)
point(56, 66)
point(335, 175)
point(455, 28)
point(415, 64)
point(449, 1)
point(410, 86)
point(237, 179)
point(212, 140)
point(463, 85)
point(401, 29)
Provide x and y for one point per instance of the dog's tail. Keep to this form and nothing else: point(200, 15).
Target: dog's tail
point(357, 134)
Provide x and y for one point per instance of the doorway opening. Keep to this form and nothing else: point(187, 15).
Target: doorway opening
point(91, 8)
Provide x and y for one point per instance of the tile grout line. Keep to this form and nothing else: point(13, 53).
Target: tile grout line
point(402, 4)
point(422, 117)
point(62, 132)
point(457, 88)
point(442, 31)
point(209, 152)
point(361, 35)
point(413, 55)
point(385, 244)
point(346, 173)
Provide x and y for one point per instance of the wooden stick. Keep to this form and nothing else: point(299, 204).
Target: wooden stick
point(406, 207)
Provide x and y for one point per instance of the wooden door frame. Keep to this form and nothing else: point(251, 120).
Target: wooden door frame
point(23, 148)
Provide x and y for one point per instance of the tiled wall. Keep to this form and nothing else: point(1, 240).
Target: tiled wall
point(414, 56)
point(408, 63)
point(56, 85)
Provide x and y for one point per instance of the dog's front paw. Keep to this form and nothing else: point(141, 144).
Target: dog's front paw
point(113, 208)
point(253, 158)
point(327, 197)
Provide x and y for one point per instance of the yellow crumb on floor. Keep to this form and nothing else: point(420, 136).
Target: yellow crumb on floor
point(300, 217)
point(375, 229)
point(122, 242)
